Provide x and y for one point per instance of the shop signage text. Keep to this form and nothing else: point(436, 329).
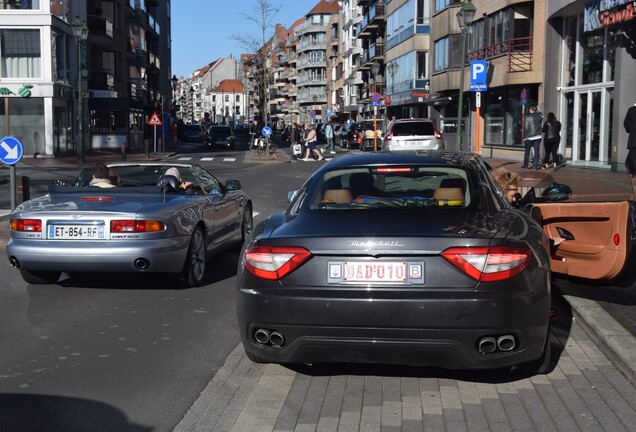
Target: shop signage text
point(24, 91)
point(602, 13)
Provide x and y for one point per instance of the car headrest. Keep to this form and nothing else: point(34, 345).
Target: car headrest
point(170, 183)
point(453, 183)
point(454, 195)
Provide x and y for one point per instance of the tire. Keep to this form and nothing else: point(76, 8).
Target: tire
point(40, 277)
point(247, 225)
point(194, 268)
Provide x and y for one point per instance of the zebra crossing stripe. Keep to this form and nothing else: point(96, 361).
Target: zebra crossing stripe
point(229, 159)
point(184, 158)
point(207, 159)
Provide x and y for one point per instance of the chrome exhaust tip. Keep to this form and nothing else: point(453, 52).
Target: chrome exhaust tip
point(141, 264)
point(487, 345)
point(277, 339)
point(506, 342)
point(262, 336)
point(14, 262)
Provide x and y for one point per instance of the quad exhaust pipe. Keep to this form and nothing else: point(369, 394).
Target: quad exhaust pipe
point(14, 262)
point(264, 337)
point(503, 343)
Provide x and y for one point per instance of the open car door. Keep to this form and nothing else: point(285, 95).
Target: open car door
point(588, 216)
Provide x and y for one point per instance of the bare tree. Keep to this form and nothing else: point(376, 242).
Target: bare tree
point(262, 15)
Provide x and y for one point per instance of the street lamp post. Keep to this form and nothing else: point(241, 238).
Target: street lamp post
point(465, 17)
point(315, 99)
point(192, 97)
point(375, 70)
point(80, 33)
point(174, 80)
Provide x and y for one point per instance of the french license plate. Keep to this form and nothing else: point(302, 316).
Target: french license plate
point(76, 232)
point(401, 272)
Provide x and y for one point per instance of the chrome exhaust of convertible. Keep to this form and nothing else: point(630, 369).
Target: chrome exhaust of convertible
point(142, 264)
point(262, 336)
point(506, 342)
point(277, 339)
point(487, 345)
point(14, 262)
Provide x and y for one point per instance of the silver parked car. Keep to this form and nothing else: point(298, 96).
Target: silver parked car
point(151, 223)
point(413, 134)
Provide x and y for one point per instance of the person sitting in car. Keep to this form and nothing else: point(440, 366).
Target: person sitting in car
point(175, 173)
point(100, 176)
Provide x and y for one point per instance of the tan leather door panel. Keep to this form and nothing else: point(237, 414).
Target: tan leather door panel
point(584, 236)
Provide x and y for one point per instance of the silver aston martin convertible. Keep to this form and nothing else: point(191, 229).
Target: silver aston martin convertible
point(151, 222)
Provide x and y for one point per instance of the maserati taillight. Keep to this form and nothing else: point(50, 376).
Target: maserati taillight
point(388, 137)
point(26, 225)
point(135, 226)
point(274, 263)
point(489, 264)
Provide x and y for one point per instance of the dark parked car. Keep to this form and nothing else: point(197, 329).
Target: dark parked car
point(418, 258)
point(221, 136)
point(351, 136)
point(194, 133)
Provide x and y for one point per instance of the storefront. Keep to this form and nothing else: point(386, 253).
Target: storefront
point(40, 116)
point(590, 84)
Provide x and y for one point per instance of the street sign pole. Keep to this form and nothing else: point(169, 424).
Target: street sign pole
point(11, 152)
point(155, 147)
point(375, 128)
point(477, 109)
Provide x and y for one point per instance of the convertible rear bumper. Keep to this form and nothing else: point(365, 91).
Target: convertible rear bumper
point(157, 255)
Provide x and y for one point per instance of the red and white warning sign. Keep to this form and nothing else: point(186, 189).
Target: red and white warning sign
point(154, 120)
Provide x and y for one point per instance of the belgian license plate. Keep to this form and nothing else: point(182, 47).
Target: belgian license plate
point(76, 232)
point(401, 272)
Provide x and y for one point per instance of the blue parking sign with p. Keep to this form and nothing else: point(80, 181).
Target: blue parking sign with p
point(478, 75)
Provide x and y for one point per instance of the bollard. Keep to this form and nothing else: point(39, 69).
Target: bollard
point(147, 148)
point(123, 151)
point(25, 189)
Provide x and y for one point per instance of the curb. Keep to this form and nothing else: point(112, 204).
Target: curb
point(607, 333)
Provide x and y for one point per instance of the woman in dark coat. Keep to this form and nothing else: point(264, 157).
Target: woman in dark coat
point(630, 128)
point(552, 137)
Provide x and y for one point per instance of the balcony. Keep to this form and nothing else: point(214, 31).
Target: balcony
point(101, 26)
point(372, 19)
point(313, 80)
point(375, 52)
point(101, 80)
point(519, 52)
point(306, 62)
point(309, 27)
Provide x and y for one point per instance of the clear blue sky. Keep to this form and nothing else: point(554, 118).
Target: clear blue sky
point(201, 28)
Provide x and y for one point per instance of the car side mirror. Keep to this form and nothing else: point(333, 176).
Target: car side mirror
point(233, 185)
point(557, 192)
point(291, 195)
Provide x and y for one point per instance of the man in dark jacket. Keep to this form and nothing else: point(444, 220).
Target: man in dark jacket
point(630, 128)
point(532, 137)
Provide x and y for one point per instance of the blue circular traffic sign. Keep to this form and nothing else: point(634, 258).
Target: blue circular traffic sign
point(11, 150)
point(376, 97)
point(267, 131)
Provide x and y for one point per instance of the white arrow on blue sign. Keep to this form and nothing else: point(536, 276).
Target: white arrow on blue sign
point(267, 131)
point(11, 150)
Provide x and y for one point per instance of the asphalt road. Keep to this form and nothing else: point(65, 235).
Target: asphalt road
point(128, 353)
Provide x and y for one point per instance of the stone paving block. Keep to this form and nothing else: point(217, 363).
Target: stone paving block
point(494, 411)
point(468, 393)
point(410, 387)
point(411, 425)
point(334, 395)
point(578, 356)
point(327, 424)
point(411, 412)
point(595, 355)
point(486, 391)
point(372, 391)
point(432, 402)
point(391, 413)
point(595, 401)
point(539, 416)
point(520, 421)
point(354, 392)
point(453, 415)
point(292, 406)
point(310, 411)
point(433, 422)
point(371, 418)
point(350, 418)
point(348, 428)
point(305, 427)
point(475, 417)
point(392, 389)
point(450, 395)
point(556, 408)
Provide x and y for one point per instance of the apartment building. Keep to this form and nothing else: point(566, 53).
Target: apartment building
point(351, 49)
point(124, 66)
point(311, 62)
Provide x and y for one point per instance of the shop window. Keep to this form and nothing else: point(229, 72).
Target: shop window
point(20, 4)
point(20, 55)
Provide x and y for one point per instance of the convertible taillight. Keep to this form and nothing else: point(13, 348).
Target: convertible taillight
point(135, 226)
point(26, 225)
point(486, 264)
point(388, 137)
point(274, 263)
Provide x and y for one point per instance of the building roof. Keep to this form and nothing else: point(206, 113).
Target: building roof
point(229, 86)
point(325, 7)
